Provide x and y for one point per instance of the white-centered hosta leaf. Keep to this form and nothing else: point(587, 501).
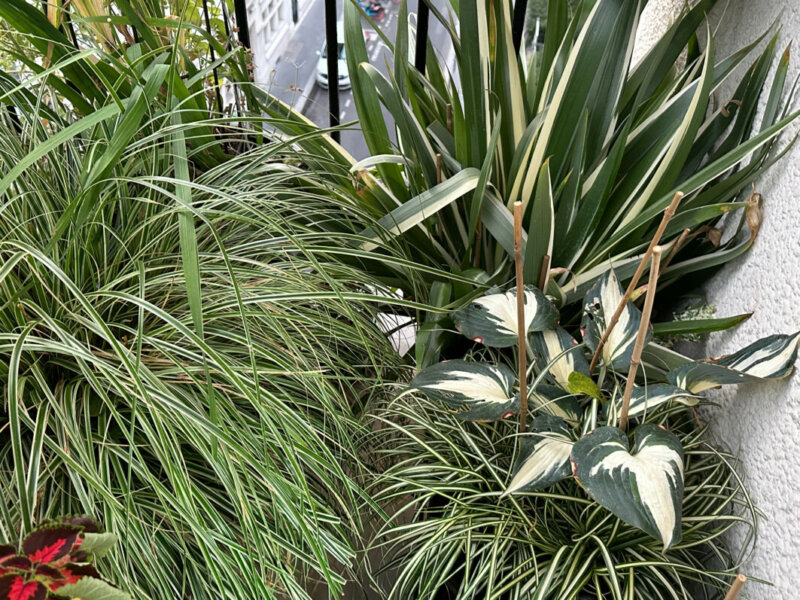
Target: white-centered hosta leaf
point(492, 319)
point(642, 486)
point(771, 357)
point(648, 397)
point(554, 401)
point(479, 391)
point(599, 305)
point(555, 350)
point(544, 456)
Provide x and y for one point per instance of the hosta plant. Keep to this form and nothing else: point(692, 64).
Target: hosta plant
point(55, 561)
point(593, 146)
point(572, 503)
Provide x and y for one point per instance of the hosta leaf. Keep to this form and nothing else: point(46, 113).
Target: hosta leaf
point(646, 398)
point(555, 401)
point(771, 357)
point(642, 486)
point(556, 349)
point(599, 305)
point(544, 456)
point(492, 319)
point(479, 391)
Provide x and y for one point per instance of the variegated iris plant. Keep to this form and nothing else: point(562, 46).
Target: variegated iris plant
point(636, 476)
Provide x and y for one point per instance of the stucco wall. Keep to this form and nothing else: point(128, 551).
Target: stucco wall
point(760, 422)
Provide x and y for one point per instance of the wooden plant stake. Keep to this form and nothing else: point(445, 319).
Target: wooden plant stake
point(668, 213)
point(676, 247)
point(544, 274)
point(438, 169)
point(638, 346)
point(738, 583)
point(449, 117)
point(522, 345)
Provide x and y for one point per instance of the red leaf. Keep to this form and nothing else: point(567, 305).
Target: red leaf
point(20, 562)
point(7, 550)
point(32, 590)
point(47, 544)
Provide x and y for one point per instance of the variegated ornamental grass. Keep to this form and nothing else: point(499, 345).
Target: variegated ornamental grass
point(603, 483)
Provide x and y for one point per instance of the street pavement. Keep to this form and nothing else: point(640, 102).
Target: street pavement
point(293, 78)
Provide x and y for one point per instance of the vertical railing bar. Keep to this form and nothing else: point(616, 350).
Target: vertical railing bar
point(240, 8)
point(332, 45)
point(423, 17)
point(213, 57)
point(518, 25)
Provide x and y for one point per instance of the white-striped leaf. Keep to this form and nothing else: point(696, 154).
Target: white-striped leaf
point(643, 486)
point(478, 391)
point(544, 456)
point(492, 319)
point(555, 401)
point(646, 398)
point(599, 304)
point(557, 348)
point(771, 357)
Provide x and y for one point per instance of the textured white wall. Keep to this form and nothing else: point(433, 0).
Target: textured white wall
point(760, 422)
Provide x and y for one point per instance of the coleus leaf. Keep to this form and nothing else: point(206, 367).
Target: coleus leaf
point(84, 523)
point(492, 319)
point(599, 304)
point(772, 357)
point(555, 401)
point(19, 562)
point(642, 486)
point(14, 587)
point(646, 398)
point(49, 543)
point(544, 456)
point(7, 550)
point(556, 350)
point(479, 391)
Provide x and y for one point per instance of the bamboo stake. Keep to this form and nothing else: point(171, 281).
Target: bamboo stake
point(438, 168)
point(522, 346)
point(638, 346)
point(545, 272)
point(668, 213)
point(738, 583)
point(676, 247)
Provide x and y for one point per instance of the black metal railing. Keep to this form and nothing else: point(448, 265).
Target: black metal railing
point(332, 43)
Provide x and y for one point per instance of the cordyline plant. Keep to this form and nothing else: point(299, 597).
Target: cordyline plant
point(55, 561)
point(592, 145)
point(610, 491)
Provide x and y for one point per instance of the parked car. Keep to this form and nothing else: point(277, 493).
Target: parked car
point(322, 63)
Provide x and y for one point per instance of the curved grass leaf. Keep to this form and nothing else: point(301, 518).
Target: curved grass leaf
point(417, 209)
